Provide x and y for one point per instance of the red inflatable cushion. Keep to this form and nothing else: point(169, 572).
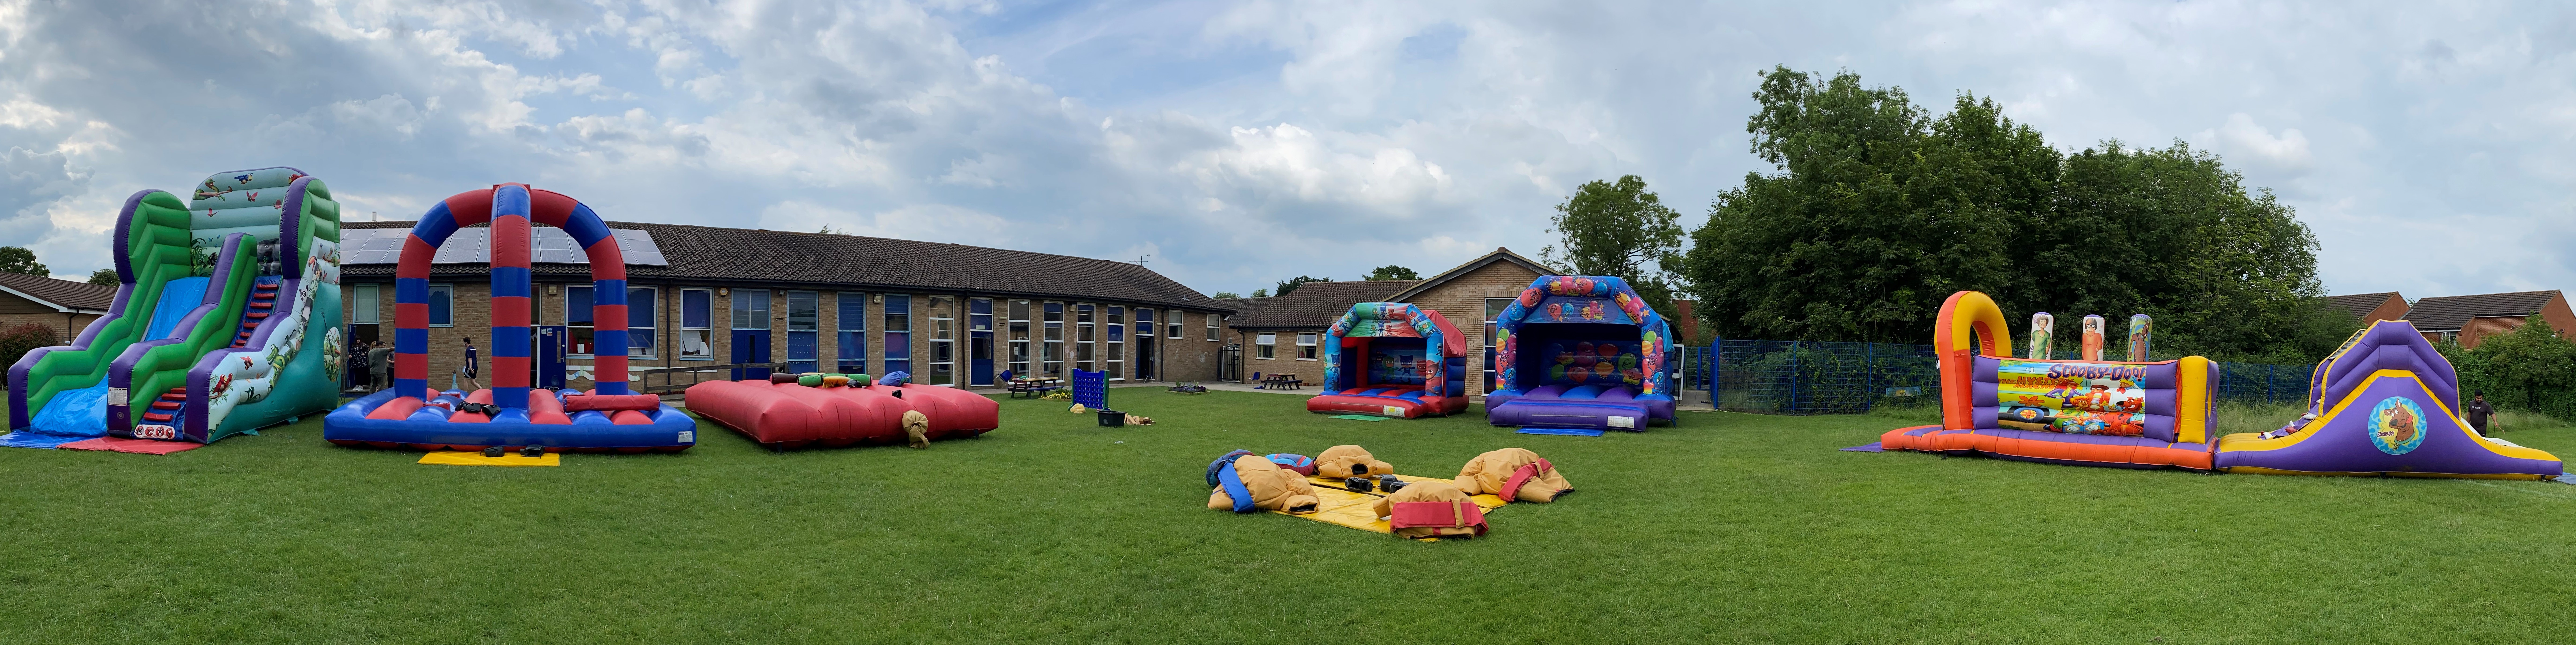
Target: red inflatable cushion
point(612, 402)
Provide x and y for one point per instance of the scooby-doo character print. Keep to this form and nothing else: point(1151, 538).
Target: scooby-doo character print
point(2397, 425)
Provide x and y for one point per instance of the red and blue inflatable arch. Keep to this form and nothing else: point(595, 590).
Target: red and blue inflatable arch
point(609, 417)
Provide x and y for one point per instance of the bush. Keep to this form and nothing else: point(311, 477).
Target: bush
point(2529, 369)
point(18, 339)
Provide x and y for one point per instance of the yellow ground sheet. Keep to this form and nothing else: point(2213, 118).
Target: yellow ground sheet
point(1337, 505)
point(456, 458)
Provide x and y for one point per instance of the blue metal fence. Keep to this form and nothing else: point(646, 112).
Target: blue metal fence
point(1804, 377)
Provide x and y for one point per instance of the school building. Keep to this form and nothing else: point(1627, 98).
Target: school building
point(64, 306)
point(1282, 334)
point(948, 314)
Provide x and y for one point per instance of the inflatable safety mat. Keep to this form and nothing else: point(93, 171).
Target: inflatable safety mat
point(1338, 505)
point(456, 458)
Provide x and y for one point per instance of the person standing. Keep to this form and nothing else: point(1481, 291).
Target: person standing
point(2478, 413)
point(472, 367)
point(380, 363)
point(357, 367)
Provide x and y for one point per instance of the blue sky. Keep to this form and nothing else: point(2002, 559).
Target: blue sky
point(2428, 145)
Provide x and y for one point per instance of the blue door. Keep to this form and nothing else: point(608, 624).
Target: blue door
point(751, 346)
point(550, 357)
point(979, 341)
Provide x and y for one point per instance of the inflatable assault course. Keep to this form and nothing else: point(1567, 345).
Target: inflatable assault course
point(1579, 355)
point(797, 411)
point(226, 319)
point(2383, 404)
point(1393, 359)
point(510, 414)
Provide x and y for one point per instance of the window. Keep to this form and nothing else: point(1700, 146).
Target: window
point(1305, 347)
point(1055, 339)
point(751, 309)
point(853, 328)
point(442, 305)
point(1493, 310)
point(697, 325)
point(1172, 320)
point(898, 334)
point(1212, 325)
point(1085, 343)
point(578, 330)
point(1116, 360)
point(579, 325)
point(1268, 344)
point(643, 309)
point(804, 325)
point(943, 341)
point(364, 312)
point(1019, 338)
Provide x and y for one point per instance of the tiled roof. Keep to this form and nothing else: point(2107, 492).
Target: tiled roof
point(710, 254)
point(1500, 254)
point(62, 294)
point(2452, 312)
point(1244, 307)
point(1318, 304)
point(2360, 304)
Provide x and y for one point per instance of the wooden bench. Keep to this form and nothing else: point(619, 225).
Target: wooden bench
point(1283, 382)
point(1035, 386)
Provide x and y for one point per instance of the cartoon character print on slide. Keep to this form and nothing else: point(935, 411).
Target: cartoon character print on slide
point(2397, 425)
point(2073, 398)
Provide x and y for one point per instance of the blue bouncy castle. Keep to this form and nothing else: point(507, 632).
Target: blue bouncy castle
point(1579, 355)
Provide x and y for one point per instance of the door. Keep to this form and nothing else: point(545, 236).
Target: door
point(1229, 363)
point(751, 346)
point(550, 357)
point(1145, 357)
point(979, 341)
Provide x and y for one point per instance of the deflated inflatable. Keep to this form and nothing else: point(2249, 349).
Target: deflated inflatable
point(788, 415)
point(1514, 474)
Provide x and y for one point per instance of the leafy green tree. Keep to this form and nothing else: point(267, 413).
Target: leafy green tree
point(1261, 293)
point(17, 259)
point(1292, 284)
point(104, 277)
point(1225, 295)
point(1618, 228)
point(2529, 368)
point(1881, 210)
point(1391, 272)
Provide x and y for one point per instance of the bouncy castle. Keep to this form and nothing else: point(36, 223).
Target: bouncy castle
point(1393, 359)
point(510, 414)
point(226, 319)
point(2384, 404)
point(1581, 354)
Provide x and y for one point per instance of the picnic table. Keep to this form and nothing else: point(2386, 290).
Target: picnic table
point(1035, 386)
point(1283, 382)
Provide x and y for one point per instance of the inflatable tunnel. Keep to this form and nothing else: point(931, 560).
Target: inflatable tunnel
point(1393, 359)
point(1582, 353)
point(2385, 404)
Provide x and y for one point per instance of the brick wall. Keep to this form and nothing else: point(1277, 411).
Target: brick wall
point(1190, 358)
point(1286, 361)
point(66, 326)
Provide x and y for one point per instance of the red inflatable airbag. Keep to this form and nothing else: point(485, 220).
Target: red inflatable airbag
point(643, 402)
point(793, 415)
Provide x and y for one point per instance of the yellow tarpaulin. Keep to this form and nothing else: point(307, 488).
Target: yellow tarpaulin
point(1338, 505)
point(455, 458)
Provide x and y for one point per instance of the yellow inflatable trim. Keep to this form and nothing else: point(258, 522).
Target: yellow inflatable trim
point(1340, 506)
point(456, 458)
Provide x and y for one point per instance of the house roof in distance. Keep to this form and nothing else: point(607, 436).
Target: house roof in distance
point(712, 254)
point(1500, 254)
point(2360, 304)
point(1316, 305)
point(63, 295)
point(2449, 313)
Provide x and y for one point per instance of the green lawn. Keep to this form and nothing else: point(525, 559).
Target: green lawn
point(1731, 528)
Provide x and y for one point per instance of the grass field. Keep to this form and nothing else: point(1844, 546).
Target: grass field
point(1730, 528)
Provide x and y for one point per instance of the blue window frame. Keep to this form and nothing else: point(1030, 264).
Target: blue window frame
point(697, 324)
point(442, 305)
point(853, 329)
point(804, 318)
point(898, 334)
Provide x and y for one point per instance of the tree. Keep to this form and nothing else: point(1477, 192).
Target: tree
point(1292, 284)
point(17, 259)
point(1261, 293)
point(1880, 211)
point(104, 278)
point(1226, 295)
point(2529, 368)
point(1391, 272)
point(1618, 228)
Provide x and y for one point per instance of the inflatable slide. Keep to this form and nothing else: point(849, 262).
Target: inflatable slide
point(1579, 355)
point(1380, 359)
point(832, 410)
point(2383, 404)
point(510, 414)
point(226, 319)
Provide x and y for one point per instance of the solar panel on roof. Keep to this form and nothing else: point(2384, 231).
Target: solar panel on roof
point(474, 246)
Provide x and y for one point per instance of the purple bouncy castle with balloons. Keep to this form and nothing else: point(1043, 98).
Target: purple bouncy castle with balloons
point(1580, 355)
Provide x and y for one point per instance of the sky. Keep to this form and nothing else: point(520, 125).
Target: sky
point(2430, 146)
